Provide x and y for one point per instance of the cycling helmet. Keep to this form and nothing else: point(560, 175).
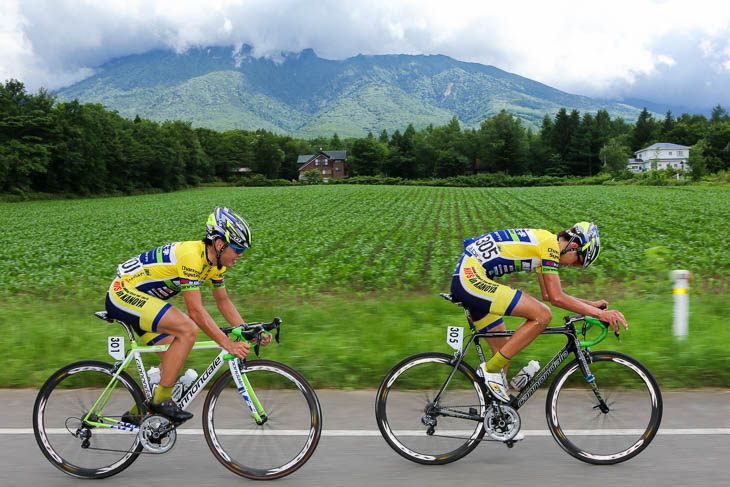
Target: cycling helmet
point(586, 236)
point(229, 226)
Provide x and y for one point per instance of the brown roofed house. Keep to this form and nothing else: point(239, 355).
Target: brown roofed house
point(329, 163)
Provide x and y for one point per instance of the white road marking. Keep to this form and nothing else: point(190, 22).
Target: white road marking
point(198, 431)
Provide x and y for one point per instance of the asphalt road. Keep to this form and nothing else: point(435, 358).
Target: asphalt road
point(692, 448)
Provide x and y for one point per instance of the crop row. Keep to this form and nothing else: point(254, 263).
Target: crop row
point(344, 239)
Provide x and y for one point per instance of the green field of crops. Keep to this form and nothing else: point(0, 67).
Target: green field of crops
point(339, 239)
point(354, 271)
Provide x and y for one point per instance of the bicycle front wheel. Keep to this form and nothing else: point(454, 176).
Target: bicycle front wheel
point(420, 428)
point(611, 424)
point(100, 446)
point(289, 434)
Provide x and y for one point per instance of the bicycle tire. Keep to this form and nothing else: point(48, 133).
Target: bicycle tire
point(64, 399)
point(409, 388)
point(284, 442)
point(625, 430)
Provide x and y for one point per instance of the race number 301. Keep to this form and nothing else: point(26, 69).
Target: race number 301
point(116, 347)
point(455, 337)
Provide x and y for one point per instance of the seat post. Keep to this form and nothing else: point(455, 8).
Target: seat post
point(469, 319)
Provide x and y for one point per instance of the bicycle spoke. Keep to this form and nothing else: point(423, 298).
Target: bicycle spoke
point(62, 403)
point(416, 428)
point(283, 442)
point(634, 409)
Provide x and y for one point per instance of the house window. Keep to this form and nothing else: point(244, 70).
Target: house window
point(670, 153)
point(325, 171)
point(679, 153)
point(338, 168)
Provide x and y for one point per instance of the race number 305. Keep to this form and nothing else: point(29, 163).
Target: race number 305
point(116, 347)
point(455, 337)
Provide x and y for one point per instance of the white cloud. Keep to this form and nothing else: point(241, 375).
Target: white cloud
point(608, 49)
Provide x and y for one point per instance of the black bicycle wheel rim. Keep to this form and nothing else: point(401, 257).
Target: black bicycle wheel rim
point(58, 407)
point(400, 407)
point(590, 435)
point(280, 446)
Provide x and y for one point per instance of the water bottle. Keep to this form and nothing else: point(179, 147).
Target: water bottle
point(183, 384)
point(154, 377)
point(523, 376)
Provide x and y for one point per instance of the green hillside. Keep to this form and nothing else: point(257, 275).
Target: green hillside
point(304, 95)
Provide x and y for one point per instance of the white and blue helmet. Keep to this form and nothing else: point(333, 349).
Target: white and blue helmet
point(228, 225)
point(585, 234)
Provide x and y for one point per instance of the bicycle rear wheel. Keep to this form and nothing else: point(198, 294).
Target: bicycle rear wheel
point(414, 425)
point(616, 430)
point(78, 448)
point(279, 446)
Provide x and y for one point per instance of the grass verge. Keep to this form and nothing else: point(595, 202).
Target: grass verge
point(351, 341)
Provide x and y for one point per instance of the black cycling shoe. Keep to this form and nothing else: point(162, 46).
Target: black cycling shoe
point(131, 418)
point(169, 409)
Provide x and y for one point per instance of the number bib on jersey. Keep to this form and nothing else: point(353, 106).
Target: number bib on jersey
point(484, 249)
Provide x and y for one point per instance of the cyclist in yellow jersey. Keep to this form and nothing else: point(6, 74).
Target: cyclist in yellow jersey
point(501, 252)
point(143, 284)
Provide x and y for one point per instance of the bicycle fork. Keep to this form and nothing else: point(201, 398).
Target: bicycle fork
point(247, 392)
point(583, 363)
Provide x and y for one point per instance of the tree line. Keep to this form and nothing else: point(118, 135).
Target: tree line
point(84, 149)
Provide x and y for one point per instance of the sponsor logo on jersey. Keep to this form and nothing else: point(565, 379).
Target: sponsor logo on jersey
point(190, 272)
point(483, 286)
point(132, 300)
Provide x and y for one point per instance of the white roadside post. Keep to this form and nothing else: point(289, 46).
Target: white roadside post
point(681, 302)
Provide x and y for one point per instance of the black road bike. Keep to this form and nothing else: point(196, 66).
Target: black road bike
point(602, 408)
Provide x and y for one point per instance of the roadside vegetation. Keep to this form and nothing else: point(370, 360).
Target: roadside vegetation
point(354, 270)
point(61, 149)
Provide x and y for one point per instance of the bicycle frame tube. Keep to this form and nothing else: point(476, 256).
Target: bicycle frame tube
point(135, 354)
point(573, 345)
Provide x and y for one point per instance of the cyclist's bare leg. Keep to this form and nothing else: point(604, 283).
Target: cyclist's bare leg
point(496, 343)
point(184, 333)
point(538, 317)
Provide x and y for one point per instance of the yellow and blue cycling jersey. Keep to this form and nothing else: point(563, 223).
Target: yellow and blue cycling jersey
point(519, 249)
point(137, 296)
point(495, 254)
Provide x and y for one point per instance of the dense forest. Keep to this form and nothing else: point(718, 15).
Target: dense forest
point(72, 148)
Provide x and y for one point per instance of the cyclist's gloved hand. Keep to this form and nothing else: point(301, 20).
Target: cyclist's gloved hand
point(239, 349)
point(613, 317)
point(265, 339)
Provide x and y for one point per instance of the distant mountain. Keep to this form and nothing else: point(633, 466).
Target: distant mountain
point(305, 96)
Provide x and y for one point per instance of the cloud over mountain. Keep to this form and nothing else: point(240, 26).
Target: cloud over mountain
point(668, 51)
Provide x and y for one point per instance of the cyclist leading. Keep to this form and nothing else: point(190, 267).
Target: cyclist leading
point(523, 249)
point(144, 283)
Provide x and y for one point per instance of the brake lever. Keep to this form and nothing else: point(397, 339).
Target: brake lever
point(277, 323)
point(258, 342)
point(618, 336)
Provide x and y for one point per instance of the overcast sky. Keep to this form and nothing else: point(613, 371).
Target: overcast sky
point(665, 51)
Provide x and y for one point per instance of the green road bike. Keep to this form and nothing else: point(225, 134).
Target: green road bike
point(261, 419)
point(602, 408)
